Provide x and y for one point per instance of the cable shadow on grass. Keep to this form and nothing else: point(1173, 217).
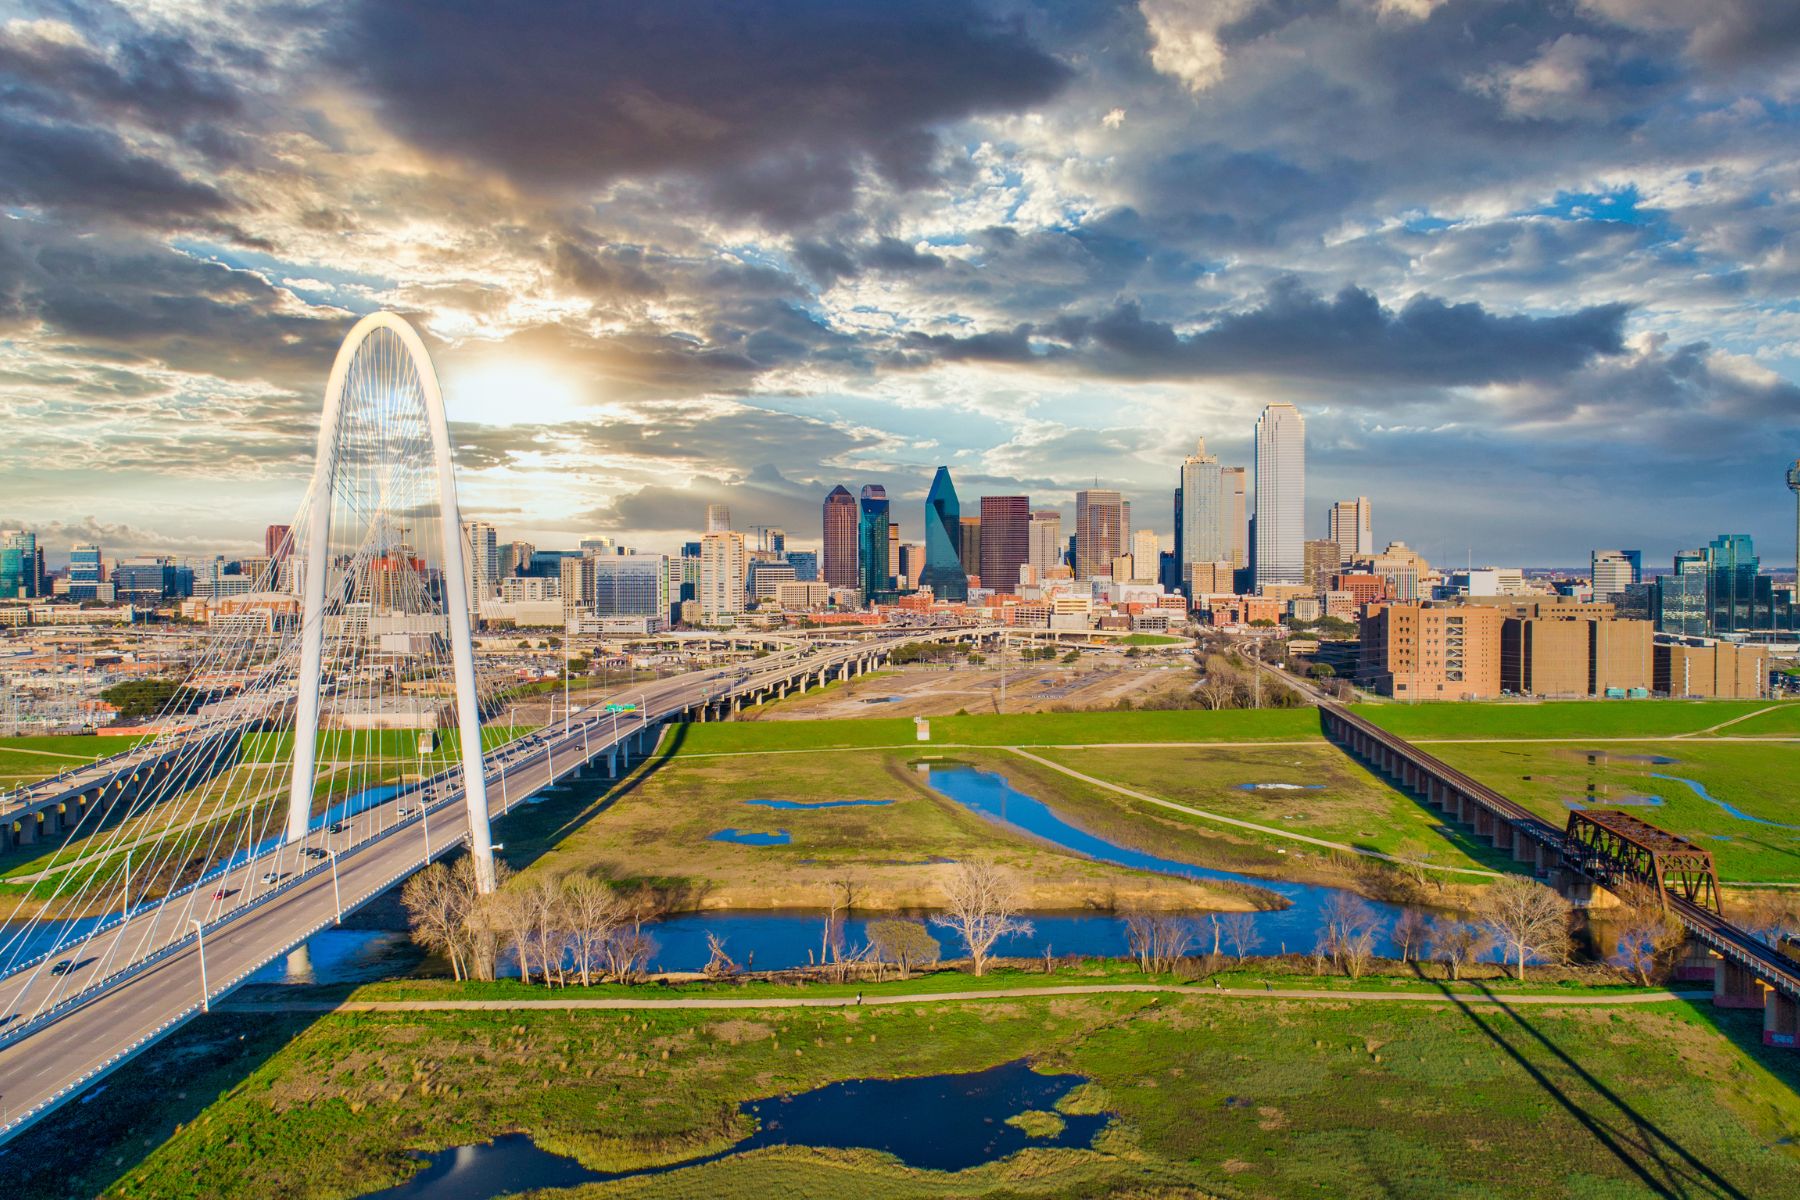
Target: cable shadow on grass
point(1661, 1164)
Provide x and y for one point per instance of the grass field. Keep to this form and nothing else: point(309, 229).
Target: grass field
point(660, 827)
point(1351, 805)
point(1232, 1098)
point(27, 759)
point(1025, 729)
point(1755, 779)
point(1584, 718)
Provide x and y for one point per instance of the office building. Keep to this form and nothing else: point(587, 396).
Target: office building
point(1431, 652)
point(1678, 600)
point(1046, 540)
point(838, 555)
point(1236, 482)
point(1203, 509)
point(872, 544)
point(803, 595)
point(87, 574)
point(1793, 482)
point(1739, 598)
point(276, 544)
point(1099, 531)
point(1005, 540)
point(151, 580)
point(1612, 571)
point(1146, 553)
point(1711, 670)
point(1352, 528)
point(482, 541)
point(912, 565)
point(21, 565)
point(893, 554)
point(971, 548)
point(515, 558)
point(767, 575)
point(1323, 559)
point(943, 571)
point(805, 564)
point(1401, 569)
point(1209, 579)
point(718, 518)
point(1280, 495)
point(723, 565)
point(631, 585)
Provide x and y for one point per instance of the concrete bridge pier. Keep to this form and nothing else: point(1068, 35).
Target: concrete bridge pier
point(612, 763)
point(1697, 962)
point(1736, 987)
point(1781, 1021)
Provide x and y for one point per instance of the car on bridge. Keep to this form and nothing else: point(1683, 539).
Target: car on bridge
point(314, 852)
point(63, 967)
point(271, 876)
point(224, 893)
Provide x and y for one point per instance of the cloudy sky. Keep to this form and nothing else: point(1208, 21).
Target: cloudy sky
point(1530, 269)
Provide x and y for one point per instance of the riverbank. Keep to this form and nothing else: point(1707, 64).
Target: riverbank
point(1206, 1091)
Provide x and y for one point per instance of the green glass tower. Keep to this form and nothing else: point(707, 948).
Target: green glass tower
point(943, 572)
point(872, 544)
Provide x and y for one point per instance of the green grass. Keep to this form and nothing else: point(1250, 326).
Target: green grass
point(1354, 807)
point(1230, 1098)
point(1756, 779)
point(659, 826)
point(1023, 729)
point(1149, 639)
point(27, 759)
point(1577, 718)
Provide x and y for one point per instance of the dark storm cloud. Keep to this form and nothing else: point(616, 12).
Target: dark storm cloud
point(771, 104)
point(86, 171)
point(158, 80)
point(1298, 334)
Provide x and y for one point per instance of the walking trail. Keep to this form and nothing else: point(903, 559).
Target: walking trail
point(1093, 989)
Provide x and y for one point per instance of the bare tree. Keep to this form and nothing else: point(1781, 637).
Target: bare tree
point(1410, 932)
point(595, 913)
point(1456, 943)
point(982, 904)
point(1349, 931)
point(1241, 932)
point(843, 899)
point(1774, 915)
point(512, 914)
point(906, 944)
point(1645, 933)
point(719, 965)
point(434, 906)
point(548, 931)
point(1157, 940)
point(1526, 919)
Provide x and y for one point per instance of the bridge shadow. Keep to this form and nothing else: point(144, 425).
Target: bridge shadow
point(98, 1141)
point(531, 830)
point(1636, 1142)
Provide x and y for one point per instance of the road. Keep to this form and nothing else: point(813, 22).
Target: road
point(60, 1033)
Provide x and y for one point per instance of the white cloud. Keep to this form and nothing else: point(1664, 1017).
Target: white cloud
point(1185, 38)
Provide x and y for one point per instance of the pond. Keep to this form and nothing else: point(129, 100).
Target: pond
point(808, 805)
point(1294, 928)
point(930, 1122)
point(752, 837)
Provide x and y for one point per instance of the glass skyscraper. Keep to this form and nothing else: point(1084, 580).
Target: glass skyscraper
point(943, 572)
point(1280, 495)
point(839, 555)
point(85, 572)
point(872, 543)
point(1738, 598)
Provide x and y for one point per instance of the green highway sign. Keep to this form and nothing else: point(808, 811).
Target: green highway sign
point(621, 708)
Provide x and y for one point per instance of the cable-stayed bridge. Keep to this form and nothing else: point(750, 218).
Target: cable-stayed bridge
point(331, 739)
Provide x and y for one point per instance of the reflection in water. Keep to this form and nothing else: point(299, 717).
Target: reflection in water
point(933, 1122)
point(1294, 928)
point(751, 837)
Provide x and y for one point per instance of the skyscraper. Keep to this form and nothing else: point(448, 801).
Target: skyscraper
point(1793, 482)
point(483, 544)
point(971, 547)
point(1280, 495)
point(1207, 495)
point(275, 542)
point(1146, 551)
point(723, 565)
point(1046, 540)
point(1236, 485)
point(718, 518)
point(1099, 531)
point(1005, 540)
point(1612, 571)
point(19, 574)
point(1352, 529)
point(87, 574)
point(943, 571)
point(872, 543)
point(839, 541)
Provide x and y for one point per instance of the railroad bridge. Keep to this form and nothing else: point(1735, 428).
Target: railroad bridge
point(1597, 850)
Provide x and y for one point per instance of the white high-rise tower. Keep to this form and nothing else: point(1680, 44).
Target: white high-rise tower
point(1280, 495)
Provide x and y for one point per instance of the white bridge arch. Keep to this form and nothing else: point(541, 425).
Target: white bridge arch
point(410, 377)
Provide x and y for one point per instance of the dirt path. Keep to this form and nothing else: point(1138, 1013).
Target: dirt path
point(1251, 825)
point(1722, 724)
point(1094, 989)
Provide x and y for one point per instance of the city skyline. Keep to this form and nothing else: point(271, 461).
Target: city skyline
point(1038, 249)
